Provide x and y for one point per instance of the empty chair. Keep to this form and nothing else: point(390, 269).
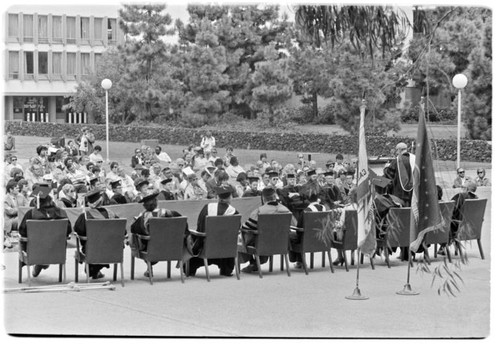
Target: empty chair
point(310, 241)
point(272, 237)
point(45, 245)
point(165, 242)
point(221, 240)
point(470, 227)
point(104, 245)
point(442, 235)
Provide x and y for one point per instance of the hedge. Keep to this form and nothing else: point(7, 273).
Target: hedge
point(471, 150)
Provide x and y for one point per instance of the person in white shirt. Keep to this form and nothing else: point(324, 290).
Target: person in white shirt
point(207, 143)
point(162, 156)
point(96, 155)
point(233, 170)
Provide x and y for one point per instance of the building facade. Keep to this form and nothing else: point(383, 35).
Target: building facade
point(48, 51)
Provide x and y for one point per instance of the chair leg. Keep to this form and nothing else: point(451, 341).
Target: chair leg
point(29, 275)
point(344, 255)
point(311, 260)
point(330, 260)
point(281, 263)
point(352, 257)
point(236, 267)
point(435, 250)
point(371, 263)
point(448, 254)
point(60, 273)
point(386, 253)
point(480, 248)
point(323, 255)
point(168, 269)
point(132, 268)
point(361, 259)
point(271, 264)
point(150, 270)
point(304, 265)
point(427, 259)
point(87, 271)
point(257, 260)
point(76, 271)
point(205, 262)
point(20, 272)
point(115, 270)
point(181, 270)
point(287, 265)
point(121, 274)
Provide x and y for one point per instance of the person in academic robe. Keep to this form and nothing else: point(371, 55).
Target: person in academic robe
point(330, 193)
point(118, 197)
point(400, 173)
point(141, 223)
point(68, 199)
point(94, 201)
point(253, 189)
point(290, 196)
point(45, 209)
point(221, 207)
point(166, 194)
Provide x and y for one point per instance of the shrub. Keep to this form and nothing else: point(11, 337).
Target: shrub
point(301, 115)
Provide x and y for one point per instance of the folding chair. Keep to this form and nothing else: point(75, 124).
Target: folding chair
point(165, 243)
point(470, 227)
point(443, 235)
point(398, 231)
point(45, 245)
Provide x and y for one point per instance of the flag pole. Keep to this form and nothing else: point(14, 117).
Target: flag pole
point(356, 294)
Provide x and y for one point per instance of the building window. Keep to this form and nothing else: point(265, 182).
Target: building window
point(98, 29)
point(85, 64)
point(13, 65)
point(112, 31)
point(60, 102)
point(43, 63)
point(36, 109)
point(13, 25)
point(28, 65)
point(18, 104)
point(56, 64)
point(71, 30)
point(97, 61)
point(57, 29)
point(85, 29)
point(43, 36)
point(71, 65)
point(28, 27)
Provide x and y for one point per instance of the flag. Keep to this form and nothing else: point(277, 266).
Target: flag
point(367, 244)
point(426, 214)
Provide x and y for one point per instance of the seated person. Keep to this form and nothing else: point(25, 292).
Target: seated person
point(296, 237)
point(10, 212)
point(45, 210)
point(166, 187)
point(271, 206)
point(9, 142)
point(253, 189)
point(459, 200)
point(93, 200)
point(481, 179)
point(461, 180)
point(68, 200)
point(117, 198)
point(221, 207)
point(140, 225)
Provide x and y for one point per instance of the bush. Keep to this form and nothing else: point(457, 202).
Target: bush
point(301, 115)
point(326, 115)
point(410, 114)
point(193, 120)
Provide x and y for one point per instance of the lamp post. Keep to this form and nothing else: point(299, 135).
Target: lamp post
point(459, 81)
point(106, 84)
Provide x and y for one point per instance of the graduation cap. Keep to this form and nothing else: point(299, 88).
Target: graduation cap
point(140, 182)
point(93, 196)
point(329, 173)
point(253, 179)
point(149, 197)
point(290, 175)
point(381, 181)
point(93, 180)
point(115, 184)
point(166, 180)
point(350, 173)
point(273, 174)
point(41, 190)
point(311, 172)
point(223, 191)
point(268, 192)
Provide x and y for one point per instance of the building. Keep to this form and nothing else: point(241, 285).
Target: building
point(48, 49)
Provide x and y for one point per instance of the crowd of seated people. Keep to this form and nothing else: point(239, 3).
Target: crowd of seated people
point(197, 173)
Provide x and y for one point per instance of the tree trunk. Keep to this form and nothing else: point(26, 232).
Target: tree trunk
point(315, 104)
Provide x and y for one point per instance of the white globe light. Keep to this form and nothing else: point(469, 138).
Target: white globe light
point(106, 84)
point(459, 81)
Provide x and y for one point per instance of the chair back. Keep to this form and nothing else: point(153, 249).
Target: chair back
point(472, 219)
point(442, 235)
point(46, 241)
point(105, 240)
point(314, 222)
point(350, 239)
point(221, 239)
point(166, 238)
point(398, 227)
point(274, 234)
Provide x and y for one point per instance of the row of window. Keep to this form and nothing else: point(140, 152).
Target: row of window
point(28, 64)
point(61, 29)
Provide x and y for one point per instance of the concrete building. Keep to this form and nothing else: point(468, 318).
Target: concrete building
point(48, 49)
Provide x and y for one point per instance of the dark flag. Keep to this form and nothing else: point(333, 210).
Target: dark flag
point(424, 203)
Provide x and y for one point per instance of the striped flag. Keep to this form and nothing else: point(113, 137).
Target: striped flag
point(367, 243)
point(424, 203)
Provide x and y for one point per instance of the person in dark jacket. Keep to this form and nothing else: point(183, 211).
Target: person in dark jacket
point(117, 198)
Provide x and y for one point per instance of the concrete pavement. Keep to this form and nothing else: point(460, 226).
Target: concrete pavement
point(299, 306)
